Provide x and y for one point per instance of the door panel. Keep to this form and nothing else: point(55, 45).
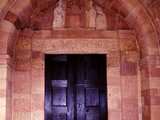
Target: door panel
point(59, 113)
point(59, 83)
point(59, 97)
point(90, 75)
point(80, 103)
point(92, 97)
point(75, 87)
point(57, 88)
point(92, 114)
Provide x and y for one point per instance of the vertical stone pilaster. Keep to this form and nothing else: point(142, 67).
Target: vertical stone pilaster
point(7, 30)
point(114, 86)
point(21, 98)
point(150, 74)
point(37, 89)
point(4, 87)
point(129, 77)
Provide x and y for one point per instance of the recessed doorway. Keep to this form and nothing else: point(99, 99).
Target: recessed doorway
point(75, 87)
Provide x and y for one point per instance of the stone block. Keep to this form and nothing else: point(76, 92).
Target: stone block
point(37, 85)
point(154, 82)
point(37, 102)
point(150, 60)
point(23, 54)
point(150, 92)
point(126, 34)
point(155, 110)
point(21, 115)
point(129, 87)
point(113, 76)
point(38, 73)
point(22, 82)
point(146, 112)
point(37, 60)
point(2, 102)
point(146, 28)
point(2, 92)
point(21, 86)
point(147, 100)
point(71, 33)
point(3, 42)
point(37, 44)
point(113, 59)
point(3, 113)
point(114, 98)
point(128, 44)
point(155, 72)
point(130, 109)
point(37, 115)
point(74, 21)
point(3, 72)
point(22, 105)
point(144, 75)
point(23, 64)
point(23, 43)
point(130, 56)
point(21, 95)
point(3, 84)
point(155, 100)
point(128, 68)
point(114, 115)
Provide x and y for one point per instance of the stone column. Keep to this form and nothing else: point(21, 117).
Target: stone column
point(5, 87)
point(129, 76)
point(7, 29)
point(150, 76)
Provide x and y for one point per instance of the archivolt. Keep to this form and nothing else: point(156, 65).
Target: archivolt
point(137, 17)
point(135, 14)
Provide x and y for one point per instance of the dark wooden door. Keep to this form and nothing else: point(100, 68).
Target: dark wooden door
point(75, 87)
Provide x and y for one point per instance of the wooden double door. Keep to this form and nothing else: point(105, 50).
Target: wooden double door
point(75, 87)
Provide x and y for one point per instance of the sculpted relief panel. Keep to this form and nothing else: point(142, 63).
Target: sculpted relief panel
point(84, 14)
point(83, 46)
point(59, 15)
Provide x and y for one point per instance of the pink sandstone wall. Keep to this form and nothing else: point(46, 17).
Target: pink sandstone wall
point(136, 84)
point(122, 71)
